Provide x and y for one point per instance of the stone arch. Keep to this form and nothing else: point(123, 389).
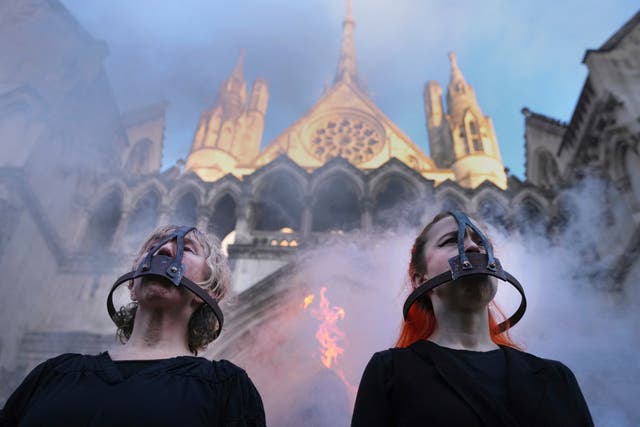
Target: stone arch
point(473, 134)
point(143, 217)
point(137, 162)
point(529, 214)
point(618, 166)
point(395, 201)
point(224, 215)
point(188, 185)
point(338, 166)
point(451, 199)
point(185, 210)
point(336, 204)
point(282, 165)
point(151, 186)
point(491, 207)
point(227, 185)
point(105, 215)
point(185, 201)
point(278, 201)
point(562, 211)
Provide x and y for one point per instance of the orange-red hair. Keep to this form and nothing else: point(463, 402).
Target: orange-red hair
point(421, 321)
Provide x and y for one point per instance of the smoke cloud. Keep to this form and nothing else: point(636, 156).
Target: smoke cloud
point(183, 52)
point(574, 314)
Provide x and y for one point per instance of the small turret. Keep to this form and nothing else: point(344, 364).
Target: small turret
point(437, 127)
point(259, 96)
point(463, 138)
point(249, 148)
point(230, 133)
point(233, 92)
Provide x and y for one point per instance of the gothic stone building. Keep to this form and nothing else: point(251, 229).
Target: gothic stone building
point(81, 183)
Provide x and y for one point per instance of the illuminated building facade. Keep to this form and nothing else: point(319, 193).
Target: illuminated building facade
point(342, 167)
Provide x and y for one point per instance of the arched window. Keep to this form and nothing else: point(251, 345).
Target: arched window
point(185, 211)
point(336, 205)
point(278, 203)
point(223, 220)
point(492, 212)
point(395, 204)
point(142, 220)
point(452, 203)
point(529, 216)
point(474, 139)
point(138, 160)
point(103, 223)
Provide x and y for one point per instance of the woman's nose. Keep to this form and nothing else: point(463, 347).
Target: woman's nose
point(168, 249)
point(471, 246)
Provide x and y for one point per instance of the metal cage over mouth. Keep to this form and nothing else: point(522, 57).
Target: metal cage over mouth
point(471, 264)
point(171, 269)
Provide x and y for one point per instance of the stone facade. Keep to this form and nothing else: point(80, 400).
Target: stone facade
point(343, 167)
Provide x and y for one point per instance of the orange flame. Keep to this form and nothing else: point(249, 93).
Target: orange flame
point(328, 335)
point(308, 300)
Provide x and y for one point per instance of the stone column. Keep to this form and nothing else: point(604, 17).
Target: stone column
point(81, 225)
point(164, 214)
point(306, 222)
point(116, 243)
point(366, 204)
point(202, 222)
point(244, 223)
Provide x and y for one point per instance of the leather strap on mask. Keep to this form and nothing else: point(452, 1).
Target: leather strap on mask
point(168, 268)
point(471, 264)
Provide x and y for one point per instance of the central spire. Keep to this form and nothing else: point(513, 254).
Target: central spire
point(456, 75)
point(347, 68)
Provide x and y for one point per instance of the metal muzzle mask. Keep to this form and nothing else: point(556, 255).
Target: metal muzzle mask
point(169, 268)
point(471, 264)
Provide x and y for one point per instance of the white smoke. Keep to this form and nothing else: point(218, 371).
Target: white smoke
point(573, 314)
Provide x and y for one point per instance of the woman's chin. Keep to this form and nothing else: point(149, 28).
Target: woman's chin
point(475, 292)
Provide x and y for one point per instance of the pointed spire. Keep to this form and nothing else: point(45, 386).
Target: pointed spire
point(456, 74)
point(233, 91)
point(238, 70)
point(347, 68)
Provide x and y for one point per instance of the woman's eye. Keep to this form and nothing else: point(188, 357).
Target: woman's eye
point(451, 240)
point(188, 248)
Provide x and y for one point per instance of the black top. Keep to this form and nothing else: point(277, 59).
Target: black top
point(423, 385)
point(79, 390)
point(488, 368)
point(129, 368)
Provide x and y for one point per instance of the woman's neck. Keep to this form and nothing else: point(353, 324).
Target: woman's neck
point(463, 330)
point(155, 335)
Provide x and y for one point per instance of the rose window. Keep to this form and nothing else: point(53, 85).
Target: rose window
point(351, 138)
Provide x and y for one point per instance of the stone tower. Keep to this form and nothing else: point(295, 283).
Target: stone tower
point(229, 135)
point(463, 138)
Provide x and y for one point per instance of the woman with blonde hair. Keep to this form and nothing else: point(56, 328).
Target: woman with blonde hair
point(155, 378)
point(454, 364)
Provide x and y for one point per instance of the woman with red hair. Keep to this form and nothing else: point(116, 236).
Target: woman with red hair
point(454, 364)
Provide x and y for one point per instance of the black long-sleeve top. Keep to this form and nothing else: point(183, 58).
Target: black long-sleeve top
point(80, 390)
point(426, 385)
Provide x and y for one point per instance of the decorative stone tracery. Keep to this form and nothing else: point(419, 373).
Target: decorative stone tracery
point(354, 138)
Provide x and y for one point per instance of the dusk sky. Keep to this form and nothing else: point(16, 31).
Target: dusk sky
point(515, 54)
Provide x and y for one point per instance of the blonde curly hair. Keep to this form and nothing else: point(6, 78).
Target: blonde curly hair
point(203, 323)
